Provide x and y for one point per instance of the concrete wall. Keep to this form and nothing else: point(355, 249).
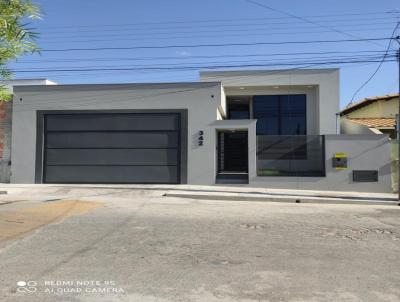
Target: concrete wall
point(365, 152)
point(25, 82)
point(200, 99)
point(350, 127)
point(5, 141)
point(5, 124)
point(395, 165)
point(325, 82)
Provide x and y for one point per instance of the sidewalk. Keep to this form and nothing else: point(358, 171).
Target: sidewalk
point(285, 195)
point(298, 197)
point(240, 193)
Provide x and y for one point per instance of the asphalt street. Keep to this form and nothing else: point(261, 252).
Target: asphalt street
point(136, 245)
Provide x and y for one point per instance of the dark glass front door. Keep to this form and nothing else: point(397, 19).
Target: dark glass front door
point(232, 152)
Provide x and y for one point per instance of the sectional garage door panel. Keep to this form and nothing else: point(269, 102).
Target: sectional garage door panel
point(101, 139)
point(112, 148)
point(124, 122)
point(112, 157)
point(119, 174)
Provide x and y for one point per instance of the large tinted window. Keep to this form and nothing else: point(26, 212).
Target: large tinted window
point(238, 111)
point(280, 114)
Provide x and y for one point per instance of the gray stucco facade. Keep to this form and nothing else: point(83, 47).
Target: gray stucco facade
point(205, 104)
point(199, 99)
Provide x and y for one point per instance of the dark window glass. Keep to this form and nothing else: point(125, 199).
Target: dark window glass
point(290, 155)
point(280, 114)
point(238, 111)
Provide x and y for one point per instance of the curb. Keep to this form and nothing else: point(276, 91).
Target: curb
point(284, 199)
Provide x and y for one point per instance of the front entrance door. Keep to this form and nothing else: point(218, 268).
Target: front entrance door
point(232, 152)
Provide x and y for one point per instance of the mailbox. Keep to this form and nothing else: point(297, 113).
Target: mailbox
point(339, 161)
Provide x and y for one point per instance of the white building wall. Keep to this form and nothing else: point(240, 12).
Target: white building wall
point(25, 82)
point(200, 99)
point(364, 152)
point(325, 82)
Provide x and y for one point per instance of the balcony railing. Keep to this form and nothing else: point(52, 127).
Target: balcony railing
point(290, 155)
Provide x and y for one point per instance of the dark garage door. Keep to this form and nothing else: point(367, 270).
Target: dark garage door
point(112, 148)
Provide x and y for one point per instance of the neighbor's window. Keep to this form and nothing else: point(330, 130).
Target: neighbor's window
point(280, 114)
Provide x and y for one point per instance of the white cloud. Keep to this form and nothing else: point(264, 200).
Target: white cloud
point(184, 53)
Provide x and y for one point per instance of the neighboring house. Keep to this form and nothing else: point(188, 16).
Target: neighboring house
point(5, 124)
point(272, 129)
point(371, 115)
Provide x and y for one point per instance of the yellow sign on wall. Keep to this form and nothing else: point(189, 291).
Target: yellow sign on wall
point(339, 161)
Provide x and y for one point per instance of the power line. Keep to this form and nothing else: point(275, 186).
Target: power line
point(191, 34)
point(212, 45)
point(205, 67)
point(152, 38)
point(300, 18)
point(224, 20)
point(311, 59)
point(378, 67)
point(306, 20)
point(289, 24)
point(153, 58)
point(189, 75)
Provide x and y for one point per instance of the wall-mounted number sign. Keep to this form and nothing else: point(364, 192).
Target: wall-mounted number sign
point(201, 138)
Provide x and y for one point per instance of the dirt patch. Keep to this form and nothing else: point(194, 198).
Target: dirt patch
point(17, 223)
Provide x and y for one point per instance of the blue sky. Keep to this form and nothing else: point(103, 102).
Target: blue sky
point(74, 24)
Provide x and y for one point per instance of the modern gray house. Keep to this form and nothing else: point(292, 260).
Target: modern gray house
point(274, 129)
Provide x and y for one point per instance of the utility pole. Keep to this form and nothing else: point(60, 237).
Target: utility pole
point(398, 123)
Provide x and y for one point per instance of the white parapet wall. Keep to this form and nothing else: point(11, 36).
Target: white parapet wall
point(364, 152)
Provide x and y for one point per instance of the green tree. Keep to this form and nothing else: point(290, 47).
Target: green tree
point(16, 36)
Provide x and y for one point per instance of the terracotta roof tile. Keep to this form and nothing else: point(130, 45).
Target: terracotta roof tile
point(375, 122)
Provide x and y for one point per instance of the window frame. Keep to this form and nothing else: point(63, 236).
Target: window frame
point(279, 116)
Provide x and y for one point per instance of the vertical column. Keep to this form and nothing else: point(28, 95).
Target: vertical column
point(5, 141)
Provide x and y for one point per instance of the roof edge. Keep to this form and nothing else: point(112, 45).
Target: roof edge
point(367, 101)
point(58, 87)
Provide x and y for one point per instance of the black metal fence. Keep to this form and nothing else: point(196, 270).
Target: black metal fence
point(290, 155)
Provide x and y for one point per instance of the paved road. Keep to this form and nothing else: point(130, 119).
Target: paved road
point(140, 246)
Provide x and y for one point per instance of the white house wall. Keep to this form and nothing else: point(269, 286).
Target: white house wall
point(326, 82)
point(200, 99)
point(364, 152)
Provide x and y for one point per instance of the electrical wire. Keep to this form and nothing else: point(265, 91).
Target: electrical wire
point(220, 27)
point(195, 34)
point(184, 58)
point(377, 68)
point(306, 20)
point(228, 20)
point(310, 59)
point(197, 67)
point(213, 45)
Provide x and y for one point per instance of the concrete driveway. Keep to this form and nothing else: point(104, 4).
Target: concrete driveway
point(136, 245)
